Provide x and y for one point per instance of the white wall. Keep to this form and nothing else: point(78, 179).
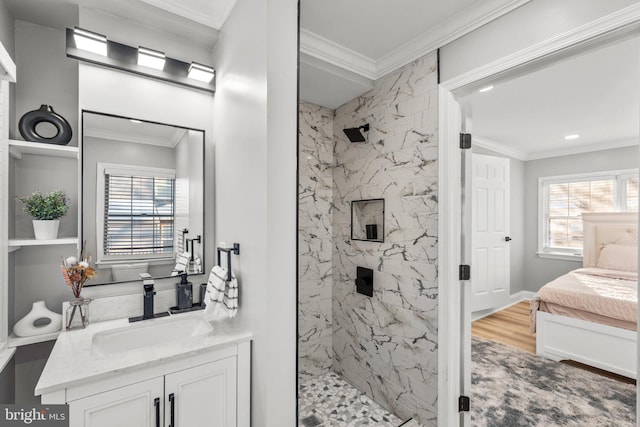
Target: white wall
point(130, 32)
point(7, 39)
point(539, 271)
point(255, 130)
point(45, 75)
point(531, 23)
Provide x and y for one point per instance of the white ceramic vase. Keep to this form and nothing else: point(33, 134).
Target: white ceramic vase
point(46, 229)
point(35, 322)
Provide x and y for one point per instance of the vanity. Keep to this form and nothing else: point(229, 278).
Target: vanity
point(175, 371)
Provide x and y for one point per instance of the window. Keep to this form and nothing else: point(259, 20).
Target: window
point(565, 198)
point(136, 214)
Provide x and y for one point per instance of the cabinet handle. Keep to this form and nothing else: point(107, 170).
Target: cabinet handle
point(172, 400)
point(156, 403)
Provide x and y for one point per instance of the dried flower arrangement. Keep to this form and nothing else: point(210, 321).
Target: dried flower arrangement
point(77, 271)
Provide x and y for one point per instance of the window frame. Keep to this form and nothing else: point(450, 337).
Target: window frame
point(619, 177)
point(127, 170)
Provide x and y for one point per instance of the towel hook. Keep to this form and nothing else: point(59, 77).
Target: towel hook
point(236, 250)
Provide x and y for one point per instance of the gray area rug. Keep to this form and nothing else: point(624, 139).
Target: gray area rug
point(510, 387)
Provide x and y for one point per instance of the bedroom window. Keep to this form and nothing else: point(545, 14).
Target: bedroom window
point(565, 198)
point(136, 212)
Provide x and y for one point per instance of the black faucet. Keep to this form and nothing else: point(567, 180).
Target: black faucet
point(149, 292)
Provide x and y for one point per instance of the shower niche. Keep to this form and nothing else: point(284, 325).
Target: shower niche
point(367, 220)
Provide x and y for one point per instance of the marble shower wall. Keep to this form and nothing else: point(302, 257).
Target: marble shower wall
point(387, 345)
point(314, 240)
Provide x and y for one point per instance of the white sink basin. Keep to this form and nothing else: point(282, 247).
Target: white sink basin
point(154, 333)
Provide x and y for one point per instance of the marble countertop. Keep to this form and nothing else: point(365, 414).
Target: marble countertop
point(74, 360)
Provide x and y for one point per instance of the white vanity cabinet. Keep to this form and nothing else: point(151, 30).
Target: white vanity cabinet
point(203, 396)
point(208, 389)
point(135, 405)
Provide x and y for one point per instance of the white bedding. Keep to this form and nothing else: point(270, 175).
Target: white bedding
point(609, 293)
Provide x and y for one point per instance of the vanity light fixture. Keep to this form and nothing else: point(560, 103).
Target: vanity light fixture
point(486, 89)
point(151, 58)
point(201, 73)
point(90, 41)
point(135, 121)
point(572, 136)
point(139, 60)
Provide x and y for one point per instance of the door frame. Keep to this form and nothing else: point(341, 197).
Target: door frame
point(452, 360)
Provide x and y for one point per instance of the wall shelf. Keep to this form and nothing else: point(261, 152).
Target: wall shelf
point(18, 148)
point(14, 341)
point(15, 244)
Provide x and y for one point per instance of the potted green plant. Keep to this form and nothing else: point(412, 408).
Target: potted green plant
point(46, 209)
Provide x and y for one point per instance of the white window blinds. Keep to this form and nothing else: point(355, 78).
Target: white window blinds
point(138, 213)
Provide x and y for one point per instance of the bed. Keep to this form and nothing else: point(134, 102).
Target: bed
point(590, 315)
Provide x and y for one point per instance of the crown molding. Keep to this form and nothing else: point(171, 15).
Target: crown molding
point(335, 70)
point(457, 26)
point(471, 18)
point(504, 149)
point(600, 146)
point(621, 20)
point(499, 148)
point(215, 19)
point(109, 136)
point(325, 50)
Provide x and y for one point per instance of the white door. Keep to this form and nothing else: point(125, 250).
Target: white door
point(136, 405)
point(203, 396)
point(490, 232)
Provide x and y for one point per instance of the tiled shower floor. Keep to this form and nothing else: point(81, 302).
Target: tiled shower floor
point(330, 401)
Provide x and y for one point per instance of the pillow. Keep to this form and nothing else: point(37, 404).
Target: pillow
point(618, 257)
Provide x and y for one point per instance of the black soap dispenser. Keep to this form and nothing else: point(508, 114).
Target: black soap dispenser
point(184, 293)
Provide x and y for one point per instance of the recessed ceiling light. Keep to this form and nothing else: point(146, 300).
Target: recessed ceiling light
point(485, 89)
point(135, 121)
point(151, 58)
point(572, 136)
point(90, 41)
point(202, 73)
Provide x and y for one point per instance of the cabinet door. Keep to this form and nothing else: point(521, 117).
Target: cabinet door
point(132, 406)
point(203, 396)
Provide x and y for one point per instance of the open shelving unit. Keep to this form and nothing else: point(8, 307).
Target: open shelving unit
point(18, 148)
point(19, 151)
point(15, 244)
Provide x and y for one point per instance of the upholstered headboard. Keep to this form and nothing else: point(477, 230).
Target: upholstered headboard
point(602, 228)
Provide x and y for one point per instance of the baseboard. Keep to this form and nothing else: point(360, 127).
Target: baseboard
point(513, 299)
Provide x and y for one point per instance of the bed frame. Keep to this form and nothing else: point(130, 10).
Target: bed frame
point(605, 347)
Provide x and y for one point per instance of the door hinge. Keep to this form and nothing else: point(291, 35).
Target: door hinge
point(464, 404)
point(465, 141)
point(464, 272)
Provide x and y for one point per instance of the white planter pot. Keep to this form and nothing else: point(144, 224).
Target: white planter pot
point(46, 229)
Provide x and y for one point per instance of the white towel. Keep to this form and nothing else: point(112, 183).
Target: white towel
point(182, 260)
point(221, 294)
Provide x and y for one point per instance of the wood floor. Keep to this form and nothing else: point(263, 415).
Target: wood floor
point(511, 327)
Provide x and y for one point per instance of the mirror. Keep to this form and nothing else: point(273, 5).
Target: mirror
point(142, 197)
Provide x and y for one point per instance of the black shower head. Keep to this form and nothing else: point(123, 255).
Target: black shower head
point(355, 135)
